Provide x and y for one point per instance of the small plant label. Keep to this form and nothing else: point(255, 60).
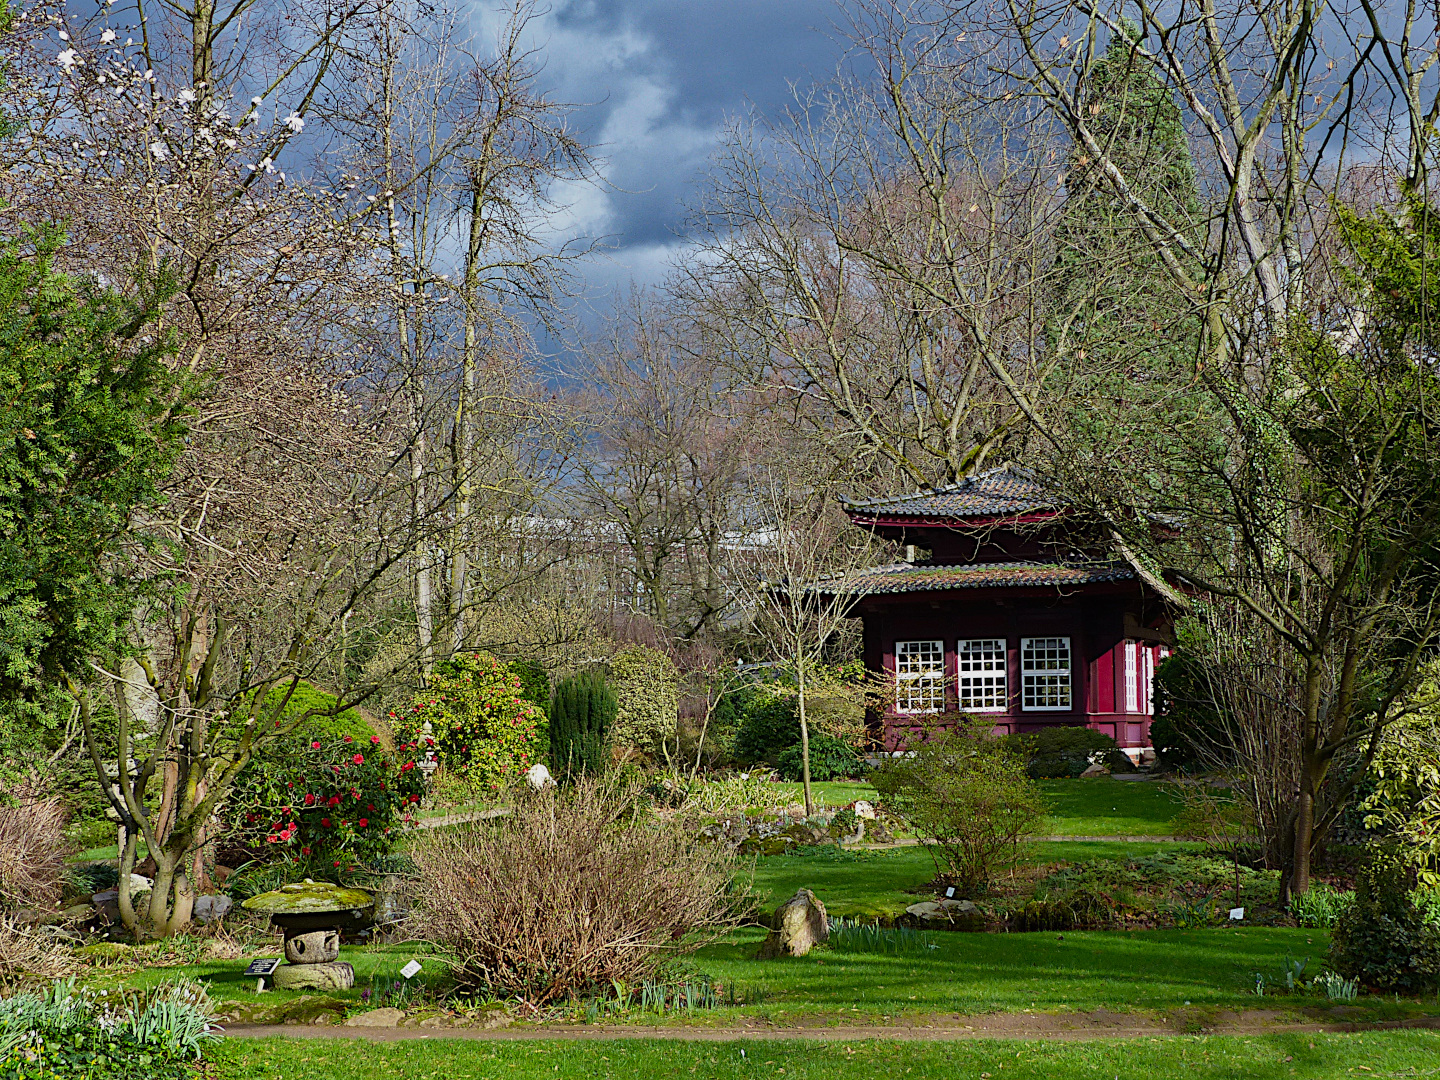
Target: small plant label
point(263, 967)
point(950, 892)
point(1237, 913)
point(411, 969)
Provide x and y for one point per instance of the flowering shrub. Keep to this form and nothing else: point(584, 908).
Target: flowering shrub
point(484, 730)
point(329, 806)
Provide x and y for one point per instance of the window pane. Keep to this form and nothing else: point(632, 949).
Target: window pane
point(919, 676)
point(982, 670)
point(1045, 673)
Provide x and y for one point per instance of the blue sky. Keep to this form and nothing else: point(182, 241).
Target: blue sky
point(657, 81)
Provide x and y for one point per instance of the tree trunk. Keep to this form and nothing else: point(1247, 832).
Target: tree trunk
point(1304, 832)
point(805, 744)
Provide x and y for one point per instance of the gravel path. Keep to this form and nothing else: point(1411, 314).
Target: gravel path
point(1100, 1024)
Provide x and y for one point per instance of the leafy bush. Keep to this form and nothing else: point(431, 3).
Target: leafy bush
point(769, 723)
point(1321, 907)
point(306, 698)
point(485, 732)
point(830, 759)
point(32, 853)
point(646, 685)
point(969, 792)
point(59, 1033)
point(582, 713)
point(324, 807)
point(534, 681)
point(769, 713)
point(1383, 938)
point(1187, 720)
point(1063, 752)
point(568, 895)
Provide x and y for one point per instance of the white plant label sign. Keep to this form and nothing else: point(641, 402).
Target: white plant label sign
point(1237, 913)
point(411, 969)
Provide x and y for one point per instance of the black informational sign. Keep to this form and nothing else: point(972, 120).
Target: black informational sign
point(263, 967)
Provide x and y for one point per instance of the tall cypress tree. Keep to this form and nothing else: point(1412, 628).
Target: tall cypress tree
point(582, 714)
point(1125, 379)
point(1128, 320)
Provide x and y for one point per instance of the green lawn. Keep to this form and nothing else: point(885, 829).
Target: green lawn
point(1105, 807)
point(1156, 970)
point(869, 884)
point(1270, 1057)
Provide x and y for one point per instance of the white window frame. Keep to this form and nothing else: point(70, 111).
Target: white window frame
point(919, 685)
point(1132, 677)
point(983, 672)
point(1054, 674)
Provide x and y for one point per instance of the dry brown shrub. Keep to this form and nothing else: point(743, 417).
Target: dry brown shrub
point(28, 954)
point(32, 853)
point(568, 893)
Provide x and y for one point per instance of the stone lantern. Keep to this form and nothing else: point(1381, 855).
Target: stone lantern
point(312, 914)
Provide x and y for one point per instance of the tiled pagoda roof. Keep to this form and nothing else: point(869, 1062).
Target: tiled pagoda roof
point(909, 578)
point(1003, 492)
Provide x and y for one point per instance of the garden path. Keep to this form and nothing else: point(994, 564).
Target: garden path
point(1078, 1026)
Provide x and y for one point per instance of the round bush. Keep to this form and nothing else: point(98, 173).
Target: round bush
point(483, 729)
point(329, 807)
point(569, 895)
point(830, 759)
point(1066, 752)
point(1383, 939)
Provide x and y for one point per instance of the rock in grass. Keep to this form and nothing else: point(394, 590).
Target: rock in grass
point(339, 976)
point(377, 1018)
point(798, 926)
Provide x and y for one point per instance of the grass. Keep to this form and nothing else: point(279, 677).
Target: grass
point(224, 982)
point(1105, 807)
point(1269, 1057)
point(872, 884)
point(1156, 970)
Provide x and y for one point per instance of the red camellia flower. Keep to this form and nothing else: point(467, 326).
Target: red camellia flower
point(349, 739)
point(324, 822)
point(337, 864)
point(314, 746)
point(363, 822)
point(375, 740)
point(272, 838)
point(359, 759)
point(285, 834)
point(304, 851)
point(370, 807)
point(334, 800)
point(309, 799)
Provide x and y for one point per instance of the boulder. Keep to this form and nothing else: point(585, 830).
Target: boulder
point(377, 1018)
point(864, 811)
point(339, 976)
point(798, 926)
point(1095, 770)
point(877, 833)
point(210, 908)
point(539, 777)
point(947, 915)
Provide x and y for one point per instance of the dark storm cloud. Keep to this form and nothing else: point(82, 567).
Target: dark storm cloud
point(657, 81)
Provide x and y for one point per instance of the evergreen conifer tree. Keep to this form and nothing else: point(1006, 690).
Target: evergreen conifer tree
point(1130, 337)
point(582, 713)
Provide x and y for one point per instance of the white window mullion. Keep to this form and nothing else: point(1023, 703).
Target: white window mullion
point(1045, 682)
point(919, 676)
point(983, 675)
point(1132, 678)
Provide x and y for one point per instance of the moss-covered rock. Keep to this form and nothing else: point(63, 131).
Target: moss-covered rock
point(310, 898)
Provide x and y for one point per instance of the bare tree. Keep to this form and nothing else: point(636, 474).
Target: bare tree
point(800, 583)
point(670, 447)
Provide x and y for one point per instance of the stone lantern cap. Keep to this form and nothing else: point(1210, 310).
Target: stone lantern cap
point(313, 903)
